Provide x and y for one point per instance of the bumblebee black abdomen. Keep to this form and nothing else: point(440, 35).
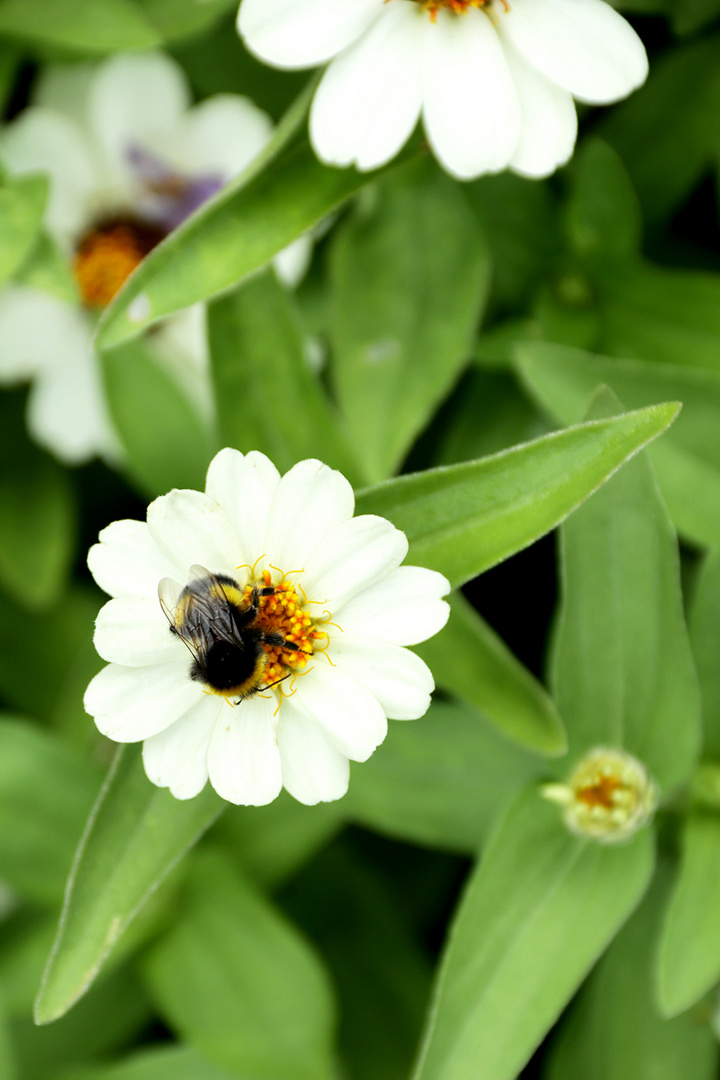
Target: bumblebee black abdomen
point(229, 669)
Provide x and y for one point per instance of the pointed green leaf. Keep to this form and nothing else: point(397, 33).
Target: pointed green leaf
point(705, 642)
point(469, 660)
point(463, 519)
point(166, 441)
point(603, 221)
point(536, 914)
point(159, 1063)
point(233, 234)
point(623, 671)
point(22, 204)
point(442, 781)
point(93, 26)
point(409, 277)
point(177, 19)
point(256, 342)
point(46, 792)
point(687, 462)
point(239, 982)
point(689, 957)
point(614, 1032)
point(134, 836)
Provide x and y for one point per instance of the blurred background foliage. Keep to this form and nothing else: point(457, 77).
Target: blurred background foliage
point(297, 942)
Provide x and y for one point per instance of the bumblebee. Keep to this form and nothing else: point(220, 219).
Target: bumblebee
point(220, 628)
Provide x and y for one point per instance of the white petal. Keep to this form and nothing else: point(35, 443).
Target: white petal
point(549, 121)
point(244, 760)
point(291, 264)
point(399, 679)
point(189, 527)
point(352, 557)
point(369, 99)
point(302, 33)
point(135, 100)
point(470, 106)
point(43, 141)
point(313, 770)
point(219, 136)
point(583, 45)
point(65, 88)
point(129, 704)
point(37, 330)
point(402, 609)
point(310, 500)
point(127, 562)
point(67, 412)
point(177, 757)
point(244, 486)
point(349, 715)
point(180, 345)
point(134, 631)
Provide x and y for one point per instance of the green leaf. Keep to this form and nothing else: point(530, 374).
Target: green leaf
point(48, 269)
point(134, 836)
point(22, 204)
point(92, 26)
point(463, 519)
point(409, 276)
point(603, 219)
point(704, 622)
point(272, 842)
point(535, 915)
point(37, 511)
point(8, 1070)
point(622, 667)
point(161, 1063)
point(442, 781)
point(660, 314)
point(689, 956)
point(233, 234)
point(167, 443)
point(469, 660)
point(687, 462)
point(665, 149)
point(240, 983)
point(256, 345)
point(613, 1030)
point(178, 19)
point(46, 792)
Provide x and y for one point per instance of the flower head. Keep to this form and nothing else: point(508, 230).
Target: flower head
point(128, 158)
point(494, 80)
point(257, 632)
point(609, 796)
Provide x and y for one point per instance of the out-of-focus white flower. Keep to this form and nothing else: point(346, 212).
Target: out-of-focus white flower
point(609, 796)
point(494, 80)
point(128, 159)
point(280, 696)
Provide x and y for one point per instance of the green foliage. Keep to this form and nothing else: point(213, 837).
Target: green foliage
point(93, 26)
point(239, 983)
point(409, 273)
point(534, 916)
point(22, 204)
point(465, 518)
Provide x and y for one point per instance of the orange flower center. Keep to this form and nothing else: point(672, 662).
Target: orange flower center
point(282, 613)
point(108, 254)
point(601, 793)
point(459, 7)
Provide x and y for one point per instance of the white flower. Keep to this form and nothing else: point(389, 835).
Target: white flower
point(128, 158)
point(334, 590)
point(494, 80)
point(609, 796)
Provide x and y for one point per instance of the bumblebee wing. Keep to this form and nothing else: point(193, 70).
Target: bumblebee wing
point(169, 595)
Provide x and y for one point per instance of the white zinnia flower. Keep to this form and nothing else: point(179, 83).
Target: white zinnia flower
point(494, 80)
point(334, 588)
point(128, 159)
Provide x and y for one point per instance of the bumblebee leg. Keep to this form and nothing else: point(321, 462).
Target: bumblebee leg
point(250, 613)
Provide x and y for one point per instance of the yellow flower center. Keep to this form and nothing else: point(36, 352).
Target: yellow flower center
point(458, 7)
point(609, 796)
point(108, 254)
point(283, 612)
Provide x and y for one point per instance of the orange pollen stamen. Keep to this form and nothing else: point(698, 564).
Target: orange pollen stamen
point(108, 254)
point(459, 7)
point(282, 612)
point(601, 793)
